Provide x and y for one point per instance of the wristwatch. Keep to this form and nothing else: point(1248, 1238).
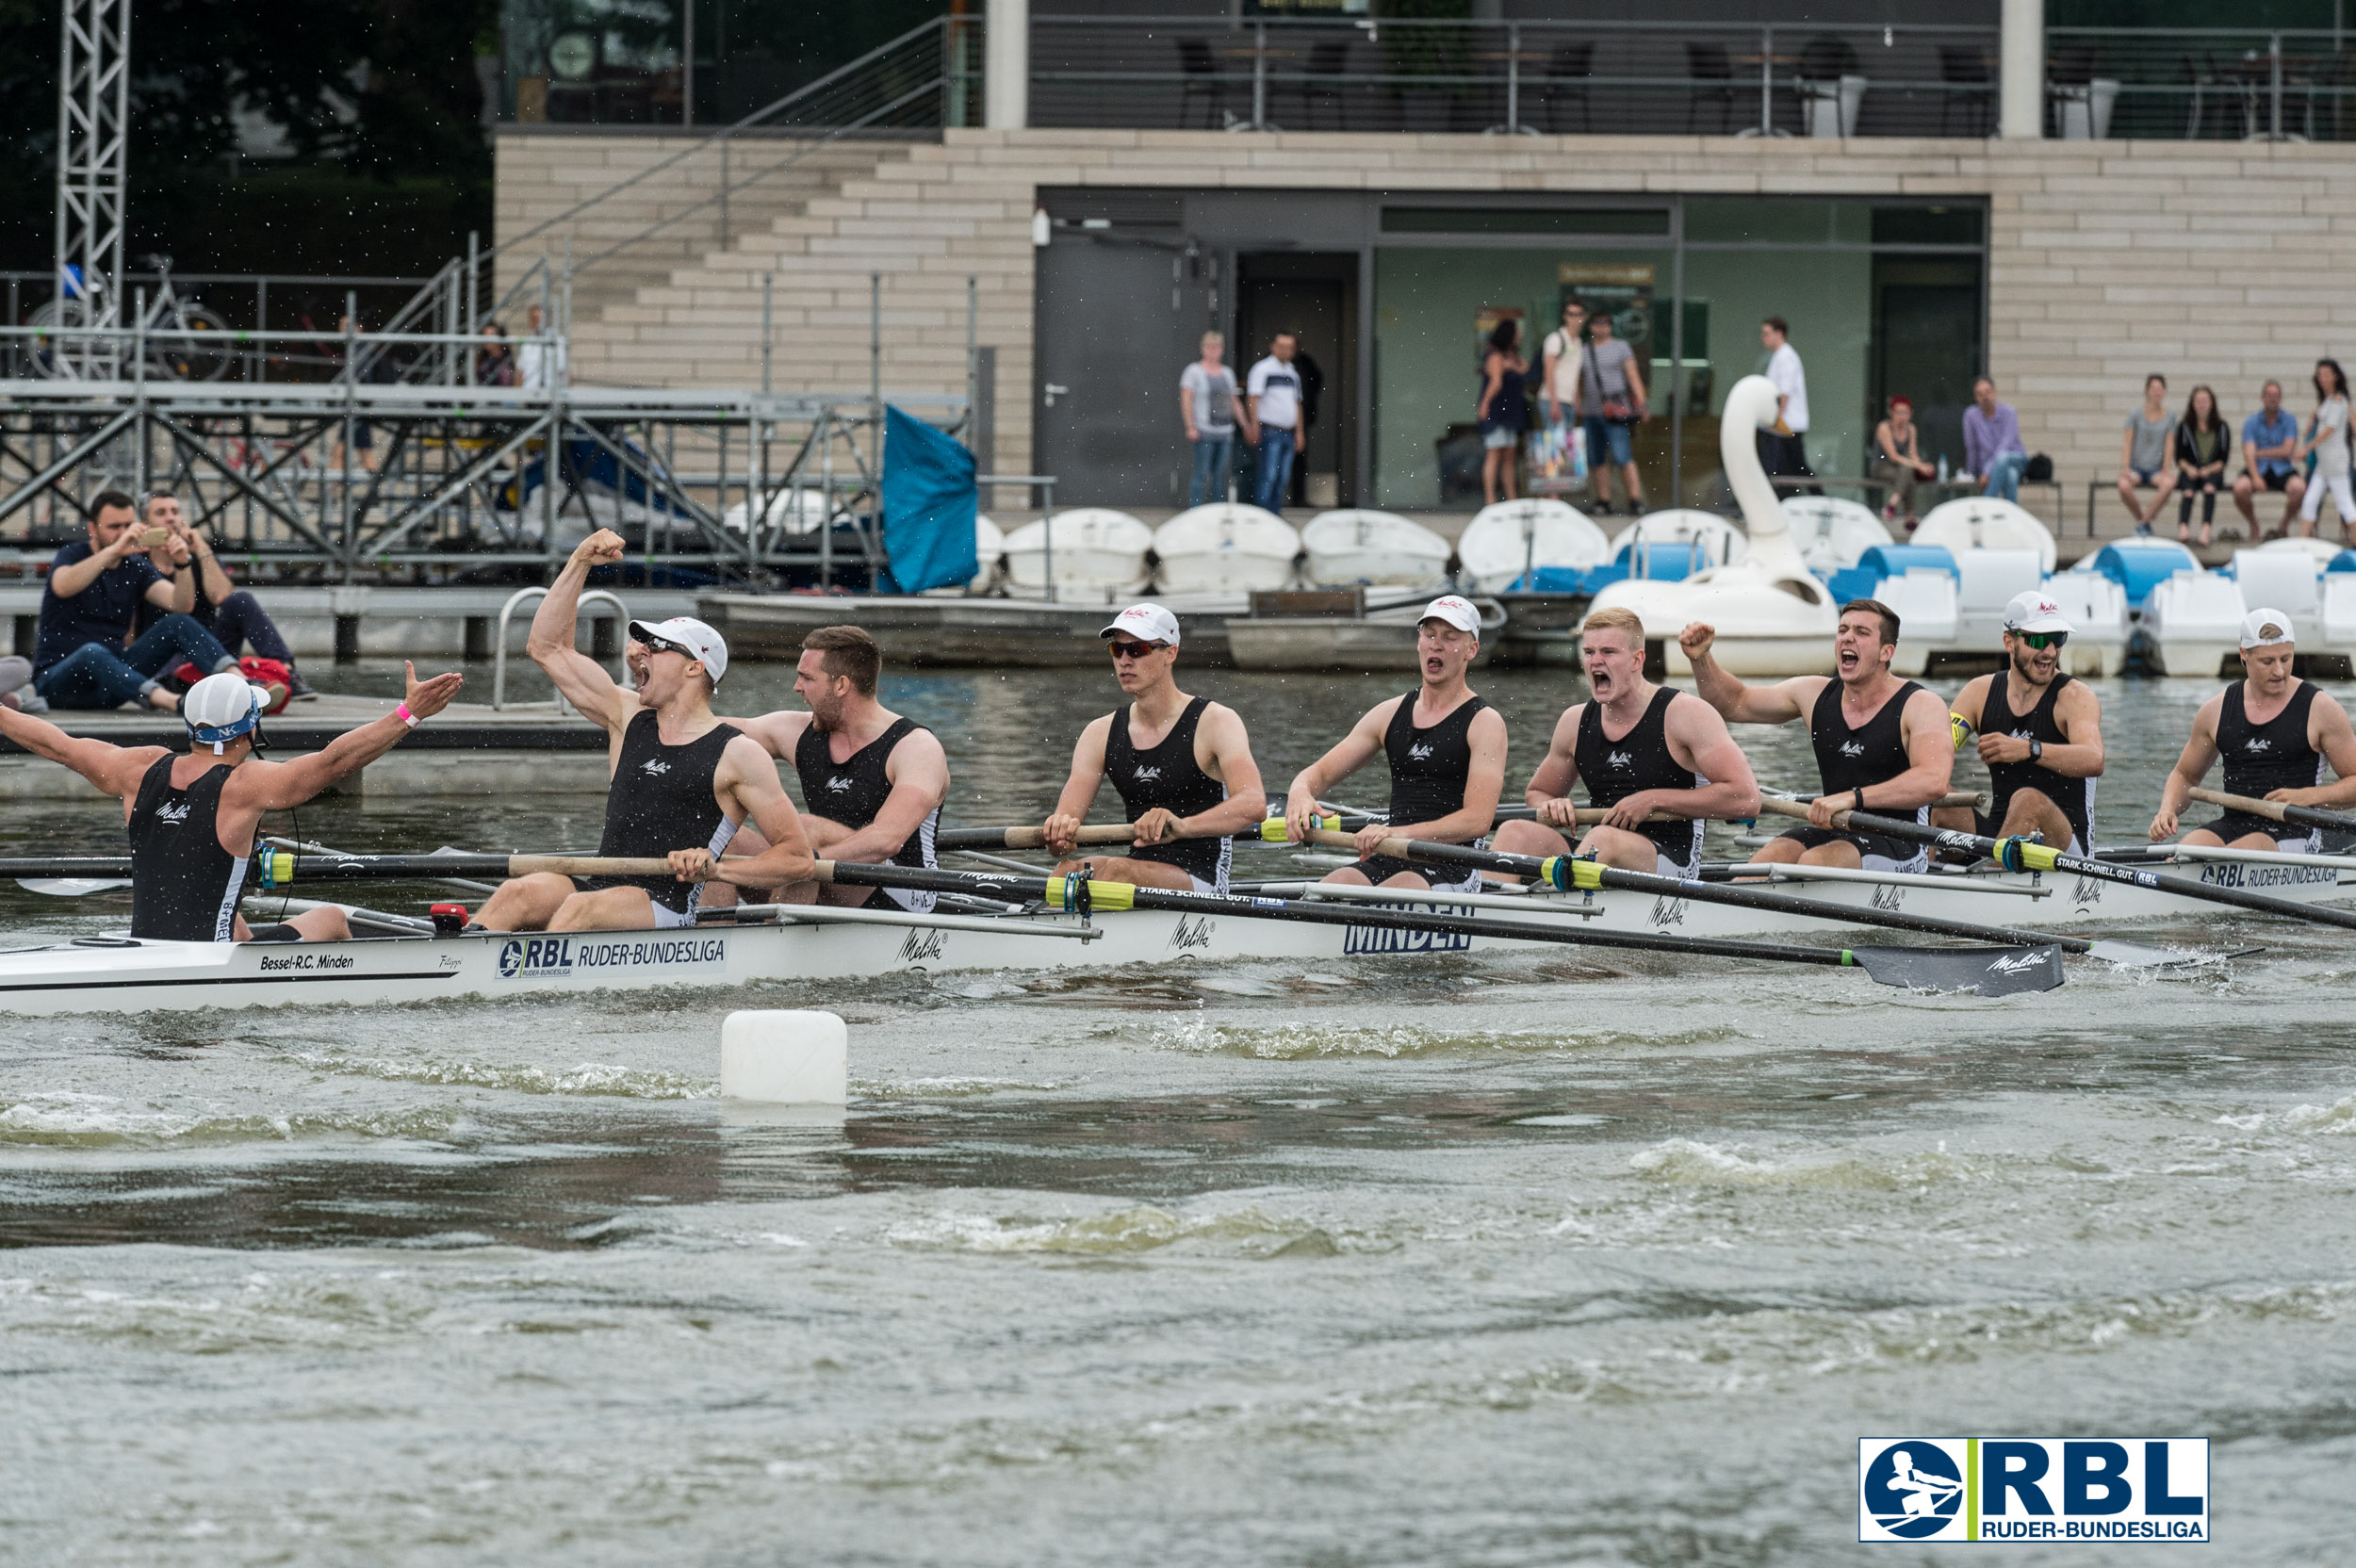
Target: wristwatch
point(1860, 797)
point(2037, 751)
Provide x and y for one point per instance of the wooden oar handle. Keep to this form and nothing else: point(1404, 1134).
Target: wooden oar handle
point(2249, 806)
point(1774, 805)
point(587, 865)
point(1095, 833)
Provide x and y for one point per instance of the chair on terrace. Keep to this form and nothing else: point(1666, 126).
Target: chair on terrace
point(1198, 78)
point(1970, 90)
point(1711, 74)
point(1565, 85)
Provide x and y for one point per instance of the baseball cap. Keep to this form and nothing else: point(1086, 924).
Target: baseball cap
point(1455, 610)
point(2255, 626)
point(221, 708)
point(2031, 610)
point(1147, 623)
point(686, 632)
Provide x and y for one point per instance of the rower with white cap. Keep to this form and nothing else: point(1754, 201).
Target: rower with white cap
point(680, 780)
point(2275, 731)
point(1181, 765)
point(2040, 733)
point(193, 817)
point(1446, 746)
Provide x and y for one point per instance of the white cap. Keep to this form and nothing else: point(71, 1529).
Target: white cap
point(1147, 623)
point(221, 708)
point(1455, 610)
point(686, 632)
point(2032, 610)
point(2254, 625)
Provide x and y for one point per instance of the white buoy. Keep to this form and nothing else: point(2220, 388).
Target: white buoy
point(785, 1059)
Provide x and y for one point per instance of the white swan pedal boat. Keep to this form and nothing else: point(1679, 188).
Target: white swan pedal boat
point(110, 974)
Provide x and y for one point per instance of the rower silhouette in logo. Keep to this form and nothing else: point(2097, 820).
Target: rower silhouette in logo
point(1913, 1490)
point(511, 959)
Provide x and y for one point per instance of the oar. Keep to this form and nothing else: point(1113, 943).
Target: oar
point(303, 847)
point(1571, 875)
point(1271, 831)
point(1990, 972)
point(72, 887)
point(2027, 855)
point(277, 867)
point(2306, 816)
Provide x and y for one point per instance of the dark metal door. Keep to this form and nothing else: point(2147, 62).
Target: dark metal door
point(1118, 323)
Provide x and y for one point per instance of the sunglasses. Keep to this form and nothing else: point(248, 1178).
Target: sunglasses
point(1134, 650)
point(2042, 640)
point(656, 645)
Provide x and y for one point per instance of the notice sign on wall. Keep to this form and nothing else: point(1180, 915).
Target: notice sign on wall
point(1624, 292)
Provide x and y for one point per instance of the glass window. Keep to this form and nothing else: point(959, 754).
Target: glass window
point(613, 62)
point(1595, 220)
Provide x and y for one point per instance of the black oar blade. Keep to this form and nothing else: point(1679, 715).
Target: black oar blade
point(1988, 971)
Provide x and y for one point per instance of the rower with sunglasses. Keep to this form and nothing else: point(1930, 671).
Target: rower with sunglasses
point(1183, 767)
point(2040, 734)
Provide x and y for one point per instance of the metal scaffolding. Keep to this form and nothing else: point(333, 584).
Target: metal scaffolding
point(93, 124)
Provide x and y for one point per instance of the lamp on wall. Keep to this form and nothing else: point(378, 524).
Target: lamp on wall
point(1041, 227)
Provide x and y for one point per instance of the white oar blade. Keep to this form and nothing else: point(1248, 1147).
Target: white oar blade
point(71, 887)
point(2140, 956)
point(1988, 971)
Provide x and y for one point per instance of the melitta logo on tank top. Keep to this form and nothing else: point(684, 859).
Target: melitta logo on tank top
point(1419, 752)
point(1852, 748)
point(654, 765)
point(2258, 744)
point(839, 785)
point(1146, 776)
point(1620, 759)
point(173, 812)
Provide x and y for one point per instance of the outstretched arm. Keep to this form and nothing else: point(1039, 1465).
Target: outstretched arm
point(1360, 747)
point(114, 770)
point(277, 786)
point(1779, 704)
point(580, 677)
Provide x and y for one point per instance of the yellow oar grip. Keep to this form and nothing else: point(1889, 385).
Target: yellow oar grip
point(2039, 856)
point(276, 868)
point(1272, 831)
point(1583, 874)
point(1101, 894)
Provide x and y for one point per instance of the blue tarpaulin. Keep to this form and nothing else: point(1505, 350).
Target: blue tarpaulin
point(928, 505)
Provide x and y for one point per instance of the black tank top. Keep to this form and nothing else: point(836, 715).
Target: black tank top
point(661, 800)
point(1429, 767)
point(853, 791)
point(2260, 757)
point(183, 886)
point(2075, 796)
point(1640, 760)
point(1856, 759)
point(1168, 776)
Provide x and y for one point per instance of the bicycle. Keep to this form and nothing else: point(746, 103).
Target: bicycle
point(171, 355)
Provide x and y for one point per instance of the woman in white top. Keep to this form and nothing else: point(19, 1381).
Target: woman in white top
point(2327, 438)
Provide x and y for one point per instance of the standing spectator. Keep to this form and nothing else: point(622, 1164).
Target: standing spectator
point(2269, 449)
point(2201, 450)
point(85, 608)
point(1559, 358)
point(1503, 411)
point(2147, 453)
point(539, 365)
point(232, 615)
point(1206, 401)
point(1272, 412)
point(1991, 444)
point(494, 365)
point(1612, 393)
point(2327, 440)
point(1784, 449)
point(1898, 460)
point(1312, 393)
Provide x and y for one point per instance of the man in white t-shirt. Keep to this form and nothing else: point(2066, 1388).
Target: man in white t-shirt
point(1272, 416)
point(1784, 449)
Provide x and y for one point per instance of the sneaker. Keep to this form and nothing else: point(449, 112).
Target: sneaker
point(2143, 531)
point(299, 688)
point(276, 694)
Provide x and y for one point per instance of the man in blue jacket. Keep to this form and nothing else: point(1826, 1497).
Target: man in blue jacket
point(94, 589)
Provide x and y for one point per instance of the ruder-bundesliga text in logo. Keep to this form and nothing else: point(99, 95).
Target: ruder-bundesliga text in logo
point(1996, 1489)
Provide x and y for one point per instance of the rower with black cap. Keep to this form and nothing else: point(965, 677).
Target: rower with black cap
point(2275, 732)
point(193, 817)
point(1181, 765)
point(680, 779)
point(1882, 744)
point(873, 780)
point(1446, 746)
point(2039, 731)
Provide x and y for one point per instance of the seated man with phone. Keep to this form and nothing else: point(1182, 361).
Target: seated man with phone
point(85, 657)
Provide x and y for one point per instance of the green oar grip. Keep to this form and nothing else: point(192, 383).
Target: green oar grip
point(1102, 895)
point(275, 867)
point(2025, 854)
point(1570, 874)
point(1272, 831)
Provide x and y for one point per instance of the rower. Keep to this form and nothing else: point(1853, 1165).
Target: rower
point(1446, 746)
point(2275, 732)
point(680, 776)
point(1181, 764)
point(1640, 748)
point(2040, 734)
point(193, 818)
point(872, 780)
point(1882, 744)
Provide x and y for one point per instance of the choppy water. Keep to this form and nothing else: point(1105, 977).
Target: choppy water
point(1432, 1261)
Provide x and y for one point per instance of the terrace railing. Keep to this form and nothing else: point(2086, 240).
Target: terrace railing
point(2201, 84)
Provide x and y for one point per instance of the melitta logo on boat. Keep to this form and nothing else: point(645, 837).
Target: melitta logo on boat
point(1371, 940)
point(1192, 931)
point(917, 946)
point(1668, 911)
point(2022, 962)
point(1889, 897)
point(553, 957)
point(2032, 1488)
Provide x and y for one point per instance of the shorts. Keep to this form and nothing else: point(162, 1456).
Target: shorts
point(2276, 479)
point(272, 934)
point(1607, 439)
point(666, 918)
point(2240, 824)
point(1379, 869)
point(1500, 439)
point(2145, 478)
point(1879, 852)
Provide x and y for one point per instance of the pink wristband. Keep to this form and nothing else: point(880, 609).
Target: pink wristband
point(406, 718)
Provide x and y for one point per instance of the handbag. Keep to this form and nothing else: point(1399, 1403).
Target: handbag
point(1619, 411)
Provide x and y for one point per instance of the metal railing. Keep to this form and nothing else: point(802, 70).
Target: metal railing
point(2201, 84)
point(1512, 77)
point(499, 643)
